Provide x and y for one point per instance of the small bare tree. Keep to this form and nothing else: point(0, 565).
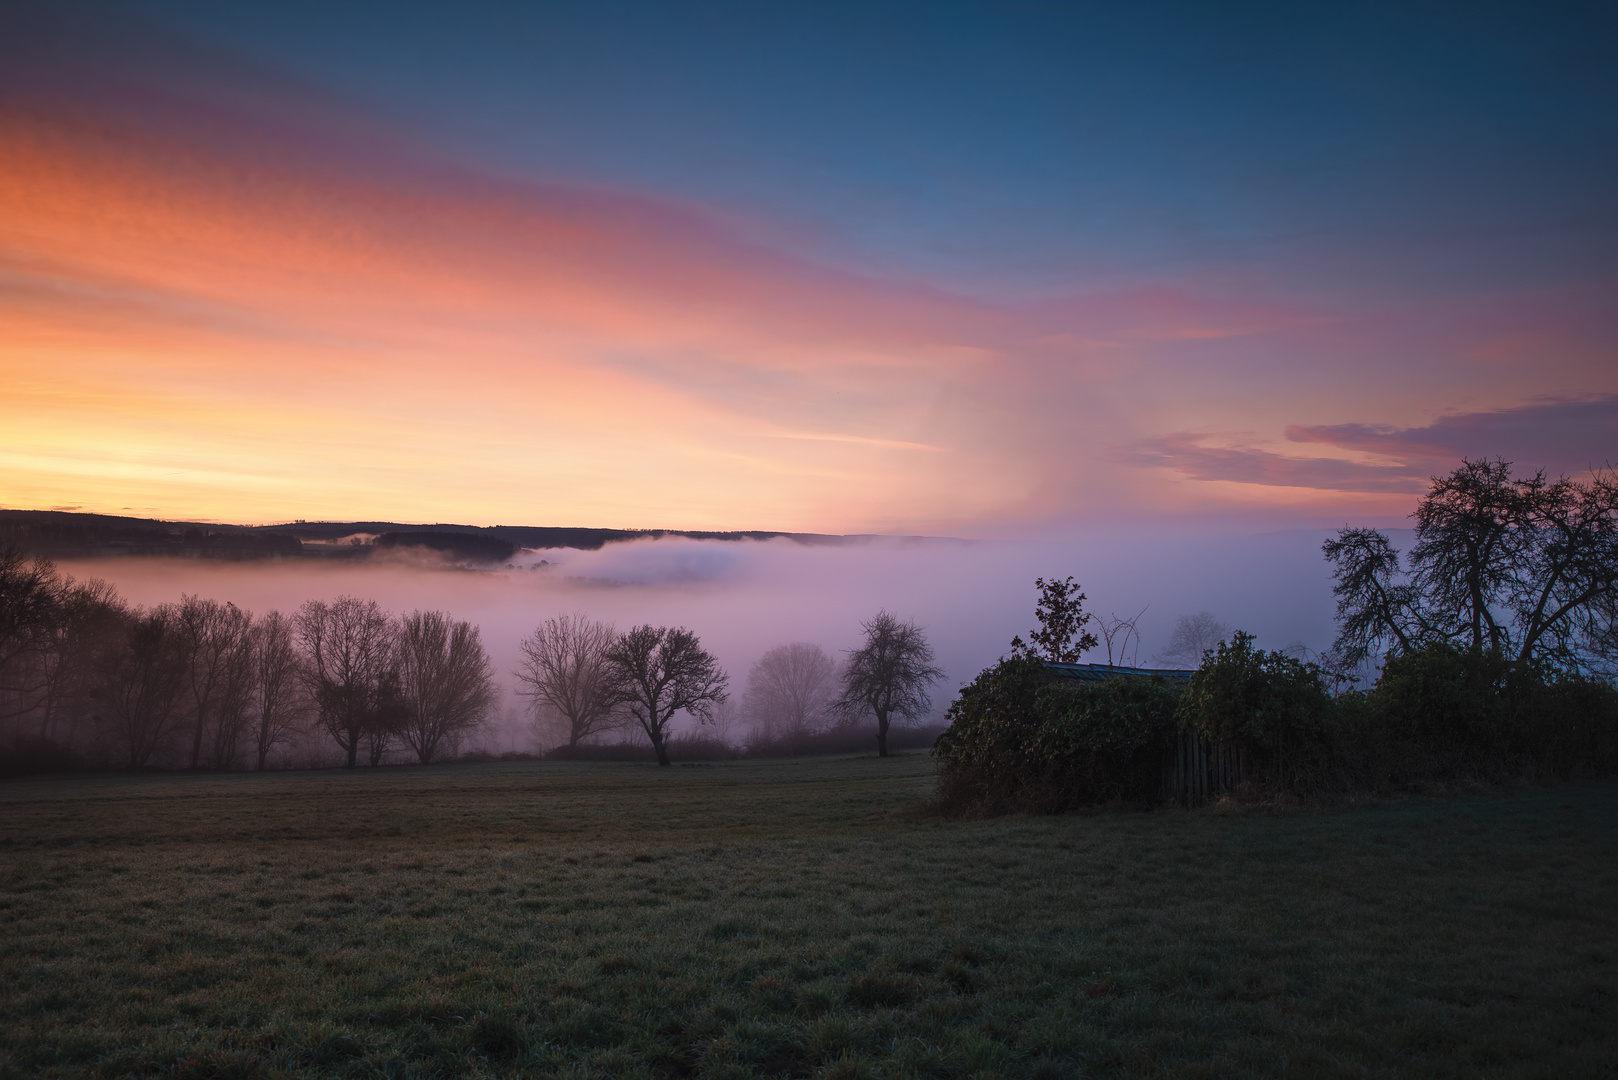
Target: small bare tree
point(663, 670)
point(281, 698)
point(790, 690)
point(1121, 633)
point(445, 680)
point(570, 685)
point(1193, 635)
point(348, 662)
point(889, 675)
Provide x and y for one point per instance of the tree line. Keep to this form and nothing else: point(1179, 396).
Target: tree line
point(203, 684)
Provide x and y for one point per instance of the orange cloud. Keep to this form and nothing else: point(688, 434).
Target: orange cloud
point(273, 325)
point(242, 340)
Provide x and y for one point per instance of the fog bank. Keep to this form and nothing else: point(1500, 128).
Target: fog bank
point(743, 597)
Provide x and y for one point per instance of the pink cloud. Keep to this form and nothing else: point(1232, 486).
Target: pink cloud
point(1188, 453)
point(1567, 435)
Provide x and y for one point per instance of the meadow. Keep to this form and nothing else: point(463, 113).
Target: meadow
point(789, 918)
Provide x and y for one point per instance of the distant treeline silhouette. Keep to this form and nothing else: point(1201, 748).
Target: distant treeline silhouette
point(57, 534)
point(90, 681)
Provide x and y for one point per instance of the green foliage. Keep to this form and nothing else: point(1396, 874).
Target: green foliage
point(1443, 711)
point(1569, 722)
point(995, 716)
point(1440, 695)
point(1124, 715)
point(1020, 738)
point(1253, 698)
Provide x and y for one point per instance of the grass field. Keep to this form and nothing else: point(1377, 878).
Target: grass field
point(789, 918)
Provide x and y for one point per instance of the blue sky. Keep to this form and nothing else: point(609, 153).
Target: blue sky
point(1025, 149)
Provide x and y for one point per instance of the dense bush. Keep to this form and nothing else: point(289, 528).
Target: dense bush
point(1568, 725)
point(1022, 739)
point(1443, 712)
point(1272, 707)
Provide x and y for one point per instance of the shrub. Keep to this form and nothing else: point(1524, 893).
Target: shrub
point(1564, 724)
point(1441, 712)
point(1021, 739)
point(1123, 715)
point(1272, 706)
point(994, 717)
point(1442, 698)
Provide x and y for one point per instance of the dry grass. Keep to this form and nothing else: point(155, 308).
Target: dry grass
point(798, 918)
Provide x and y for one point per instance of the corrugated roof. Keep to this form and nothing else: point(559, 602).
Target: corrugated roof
point(1103, 672)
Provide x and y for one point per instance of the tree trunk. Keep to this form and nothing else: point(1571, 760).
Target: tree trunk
point(657, 744)
point(882, 734)
point(196, 738)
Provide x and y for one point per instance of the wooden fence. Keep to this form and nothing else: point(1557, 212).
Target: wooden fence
point(1196, 770)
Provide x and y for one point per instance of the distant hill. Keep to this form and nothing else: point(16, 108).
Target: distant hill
point(60, 534)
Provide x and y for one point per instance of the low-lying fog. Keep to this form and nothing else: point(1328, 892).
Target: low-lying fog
point(744, 597)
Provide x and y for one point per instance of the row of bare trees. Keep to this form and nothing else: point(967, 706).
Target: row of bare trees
point(205, 684)
point(583, 679)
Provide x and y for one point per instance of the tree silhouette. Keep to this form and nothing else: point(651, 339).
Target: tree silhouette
point(889, 675)
point(789, 690)
point(1061, 636)
point(1525, 568)
point(661, 671)
point(348, 661)
point(565, 674)
point(446, 682)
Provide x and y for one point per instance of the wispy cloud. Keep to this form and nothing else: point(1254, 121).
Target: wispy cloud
point(1190, 454)
point(1562, 435)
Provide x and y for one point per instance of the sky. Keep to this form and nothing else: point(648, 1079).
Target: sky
point(977, 270)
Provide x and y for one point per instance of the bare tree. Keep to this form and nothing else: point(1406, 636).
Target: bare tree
point(565, 674)
point(1119, 632)
point(1523, 567)
point(51, 630)
point(889, 675)
point(281, 698)
point(348, 662)
point(446, 681)
point(790, 690)
point(214, 638)
point(31, 603)
point(92, 615)
point(663, 670)
point(726, 718)
point(141, 683)
point(1193, 635)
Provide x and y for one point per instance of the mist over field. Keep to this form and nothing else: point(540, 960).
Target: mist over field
point(743, 597)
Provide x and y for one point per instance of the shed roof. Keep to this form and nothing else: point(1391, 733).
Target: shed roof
point(1103, 672)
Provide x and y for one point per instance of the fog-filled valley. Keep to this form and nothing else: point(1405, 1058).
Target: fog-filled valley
point(744, 597)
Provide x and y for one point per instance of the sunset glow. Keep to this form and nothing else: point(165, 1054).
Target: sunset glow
point(250, 297)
